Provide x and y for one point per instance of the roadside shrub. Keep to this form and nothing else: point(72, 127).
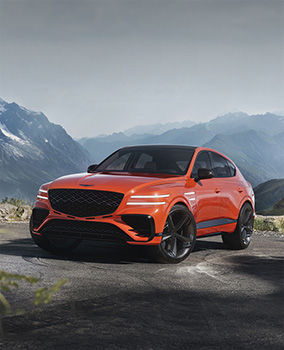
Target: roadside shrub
point(9, 281)
point(280, 224)
point(269, 223)
point(14, 201)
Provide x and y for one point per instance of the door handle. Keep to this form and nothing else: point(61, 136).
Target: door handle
point(217, 190)
point(240, 190)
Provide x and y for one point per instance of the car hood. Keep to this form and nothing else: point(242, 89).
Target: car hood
point(116, 182)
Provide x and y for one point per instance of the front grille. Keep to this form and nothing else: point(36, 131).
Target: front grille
point(84, 203)
point(84, 230)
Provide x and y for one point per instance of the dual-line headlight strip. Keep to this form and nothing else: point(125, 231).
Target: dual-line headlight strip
point(155, 196)
point(43, 192)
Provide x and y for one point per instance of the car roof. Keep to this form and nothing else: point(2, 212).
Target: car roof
point(141, 147)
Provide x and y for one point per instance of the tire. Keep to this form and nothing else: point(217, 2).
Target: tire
point(241, 237)
point(179, 236)
point(57, 245)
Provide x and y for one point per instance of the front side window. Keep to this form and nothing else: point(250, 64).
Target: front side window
point(202, 161)
point(118, 162)
point(157, 160)
point(220, 166)
point(144, 161)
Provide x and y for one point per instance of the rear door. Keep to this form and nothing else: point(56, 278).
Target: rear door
point(227, 187)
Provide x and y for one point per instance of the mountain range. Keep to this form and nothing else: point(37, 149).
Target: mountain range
point(254, 142)
point(158, 128)
point(34, 151)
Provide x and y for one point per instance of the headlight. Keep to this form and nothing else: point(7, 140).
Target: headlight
point(151, 196)
point(145, 203)
point(42, 194)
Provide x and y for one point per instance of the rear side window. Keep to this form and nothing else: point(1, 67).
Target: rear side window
point(202, 161)
point(220, 166)
point(232, 168)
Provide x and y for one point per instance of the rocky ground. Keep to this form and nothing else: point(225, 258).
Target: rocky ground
point(117, 298)
point(12, 213)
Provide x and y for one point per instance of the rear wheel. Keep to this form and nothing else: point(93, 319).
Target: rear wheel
point(241, 237)
point(179, 236)
point(56, 245)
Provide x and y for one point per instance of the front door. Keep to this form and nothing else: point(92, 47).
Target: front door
point(207, 200)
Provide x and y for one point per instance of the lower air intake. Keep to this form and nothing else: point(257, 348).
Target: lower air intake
point(84, 230)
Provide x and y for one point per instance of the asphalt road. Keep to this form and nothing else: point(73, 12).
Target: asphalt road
point(116, 298)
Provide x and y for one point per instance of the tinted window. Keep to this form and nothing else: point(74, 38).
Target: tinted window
point(163, 161)
point(232, 168)
point(118, 163)
point(220, 166)
point(202, 161)
point(143, 161)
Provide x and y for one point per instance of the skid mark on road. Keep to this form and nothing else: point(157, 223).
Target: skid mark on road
point(34, 261)
point(201, 268)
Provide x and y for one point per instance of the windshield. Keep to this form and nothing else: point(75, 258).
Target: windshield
point(157, 161)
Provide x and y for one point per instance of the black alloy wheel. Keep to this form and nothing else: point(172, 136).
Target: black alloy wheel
point(179, 235)
point(241, 237)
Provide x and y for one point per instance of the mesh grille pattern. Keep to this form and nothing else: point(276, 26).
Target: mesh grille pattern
point(84, 203)
point(84, 230)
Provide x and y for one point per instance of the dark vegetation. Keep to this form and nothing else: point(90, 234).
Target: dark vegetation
point(269, 197)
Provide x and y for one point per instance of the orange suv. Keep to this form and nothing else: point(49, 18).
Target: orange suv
point(159, 196)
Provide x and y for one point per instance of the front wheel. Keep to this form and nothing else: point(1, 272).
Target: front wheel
point(179, 236)
point(241, 237)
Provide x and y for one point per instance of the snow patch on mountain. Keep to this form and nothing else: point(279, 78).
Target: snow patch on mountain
point(2, 108)
point(34, 151)
point(34, 113)
point(11, 136)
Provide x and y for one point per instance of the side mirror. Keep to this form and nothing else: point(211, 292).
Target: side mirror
point(92, 168)
point(204, 173)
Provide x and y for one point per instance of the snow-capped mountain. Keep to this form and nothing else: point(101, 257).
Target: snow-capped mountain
point(33, 151)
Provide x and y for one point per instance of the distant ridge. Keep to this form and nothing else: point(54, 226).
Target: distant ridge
point(157, 129)
point(255, 143)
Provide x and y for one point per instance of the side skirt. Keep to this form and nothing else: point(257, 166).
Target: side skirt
point(215, 222)
point(211, 234)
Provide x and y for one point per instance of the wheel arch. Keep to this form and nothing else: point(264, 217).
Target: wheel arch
point(178, 200)
point(181, 201)
point(249, 201)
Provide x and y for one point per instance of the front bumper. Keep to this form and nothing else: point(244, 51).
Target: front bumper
point(131, 228)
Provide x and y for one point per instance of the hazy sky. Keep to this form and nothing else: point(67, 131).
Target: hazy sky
point(102, 66)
